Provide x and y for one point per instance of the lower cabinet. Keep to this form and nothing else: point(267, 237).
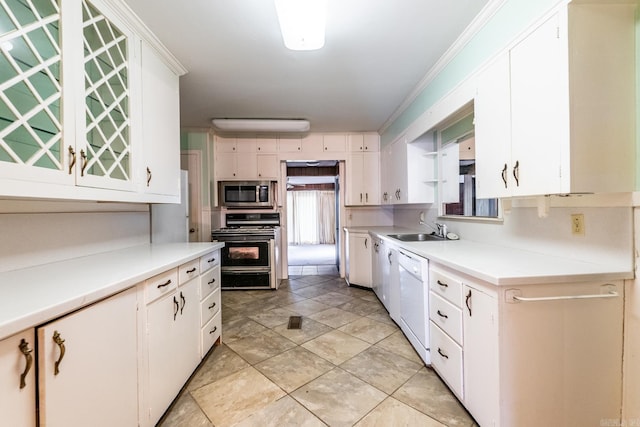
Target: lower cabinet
point(210, 309)
point(358, 258)
point(18, 379)
point(88, 364)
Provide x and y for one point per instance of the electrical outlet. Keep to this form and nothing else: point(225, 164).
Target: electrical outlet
point(577, 224)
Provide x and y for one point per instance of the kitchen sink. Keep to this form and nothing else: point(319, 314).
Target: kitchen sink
point(416, 237)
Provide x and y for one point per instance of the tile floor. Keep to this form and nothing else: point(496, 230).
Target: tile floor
point(348, 365)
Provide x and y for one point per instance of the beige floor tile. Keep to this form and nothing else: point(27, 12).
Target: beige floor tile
point(381, 368)
point(185, 412)
point(294, 368)
point(336, 346)
point(333, 298)
point(310, 291)
point(397, 343)
point(236, 397)
point(394, 413)
point(259, 347)
point(255, 306)
point(426, 392)
point(382, 316)
point(272, 318)
point(306, 307)
point(309, 329)
point(285, 412)
point(368, 330)
point(360, 307)
point(221, 362)
point(339, 398)
point(334, 317)
point(283, 297)
point(241, 328)
point(315, 279)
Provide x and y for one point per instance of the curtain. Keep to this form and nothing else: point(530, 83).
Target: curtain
point(311, 217)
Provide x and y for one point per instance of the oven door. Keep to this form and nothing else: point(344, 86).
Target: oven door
point(238, 254)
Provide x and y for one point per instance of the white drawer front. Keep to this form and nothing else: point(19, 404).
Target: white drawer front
point(446, 359)
point(211, 332)
point(210, 307)
point(447, 316)
point(209, 261)
point(188, 271)
point(161, 284)
point(209, 282)
point(446, 285)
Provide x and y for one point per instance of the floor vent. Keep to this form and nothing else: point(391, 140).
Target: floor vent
point(295, 322)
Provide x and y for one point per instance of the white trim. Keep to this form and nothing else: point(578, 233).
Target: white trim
point(465, 37)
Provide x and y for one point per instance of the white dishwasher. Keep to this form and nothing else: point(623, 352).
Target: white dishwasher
point(414, 304)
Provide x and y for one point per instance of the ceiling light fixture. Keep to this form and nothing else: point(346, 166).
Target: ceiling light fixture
point(302, 23)
point(261, 125)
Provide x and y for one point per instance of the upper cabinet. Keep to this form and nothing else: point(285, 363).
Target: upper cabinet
point(556, 113)
point(91, 104)
point(363, 170)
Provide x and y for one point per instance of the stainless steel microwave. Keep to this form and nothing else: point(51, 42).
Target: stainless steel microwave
point(246, 194)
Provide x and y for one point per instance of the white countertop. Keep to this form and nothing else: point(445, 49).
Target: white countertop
point(502, 266)
point(32, 296)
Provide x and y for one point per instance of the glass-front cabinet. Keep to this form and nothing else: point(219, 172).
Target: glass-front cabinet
point(71, 101)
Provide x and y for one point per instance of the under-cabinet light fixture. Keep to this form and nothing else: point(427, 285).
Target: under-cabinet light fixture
point(302, 23)
point(261, 125)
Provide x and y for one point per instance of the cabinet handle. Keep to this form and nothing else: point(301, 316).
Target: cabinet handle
point(366, 197)
point(467, 302)
point(24, 348)
point(442, 315)
point(83, 156)
point(149, 175)
point(442, 354)
point(504, 175)
point(360, 197)
point(60, 342)
point(365, 242)
point(215, 328)
point(211, 260)
point(444, 285)
point(162, 285)
point(184, 302)
point(389, 256)
point(176, 307)
point(516, 173)
point(191, 271)
point(211, 282)
point(212, 305)
point(72, 162)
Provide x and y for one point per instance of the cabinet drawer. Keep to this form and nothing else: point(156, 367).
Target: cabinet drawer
point(210, 307)
point(211, 332)
point(161, 284)
point(447, 316)
point(446, 359)
point(209, 282)
point(188, 271)
point(446, 285)
point(209, 261)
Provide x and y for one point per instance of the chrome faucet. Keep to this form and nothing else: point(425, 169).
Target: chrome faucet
point(440, 229)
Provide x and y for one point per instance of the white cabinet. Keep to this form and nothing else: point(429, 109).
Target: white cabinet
point(90, 358)
point(289, 145)
point(18, 379)
point(246, 158)
point(210, 301)
point(363, 142)
point(161, 124)
point(358, 249)
point(362, 178)
point(570, 87)
point(173, 335)
point(268, 166)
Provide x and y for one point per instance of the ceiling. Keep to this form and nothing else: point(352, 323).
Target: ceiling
point(376, 53)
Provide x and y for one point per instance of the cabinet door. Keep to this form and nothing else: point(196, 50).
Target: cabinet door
point(399, 172)
point(354, 185)
point(336, 143)
point(480, 324)
point(355, 142)
point(371, 177)
point(96, 380)
point(289, 145)
point(493, 131)
point(161, 125)
point(225, 145)
point(225, 166)
point(371, 142)
point(268, 166)
point(188, 342)
point(360, 259)
point(246, 166)
point(17, 380)
point(386, 184)
point(539, 110)
point(267, 145)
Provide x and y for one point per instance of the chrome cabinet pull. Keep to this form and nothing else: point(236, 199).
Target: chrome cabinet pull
point(191, 271)
point(85, 162)
point(72, 163)
point(149, 176)
point(467, 302)
point(26, 351)
point(162, 285)
point(442, 354)
point(444, 285)
point(60, 342)
point(360, 197)
point(215, 328)
point(212, 305)
point(611, 294)
point(504, 175)
point(184, 302)
point(389, 256)
point(176, 307)
point(366, 197)
point(365, 242)
point(442, 315)
point(516, 173)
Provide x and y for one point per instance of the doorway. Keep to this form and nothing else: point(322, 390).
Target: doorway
point(313, 217)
